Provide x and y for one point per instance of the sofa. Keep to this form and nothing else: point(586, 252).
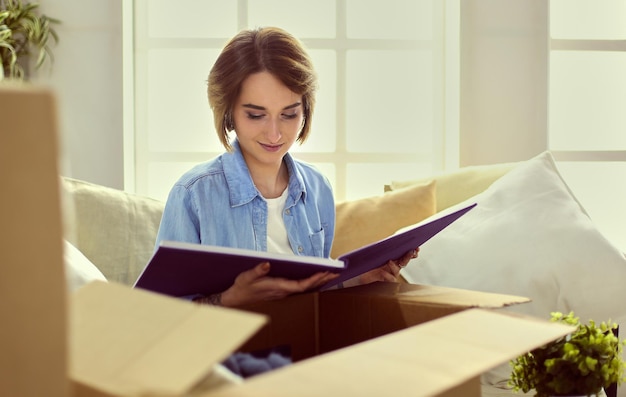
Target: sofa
point(116, 230)
point(527, 236)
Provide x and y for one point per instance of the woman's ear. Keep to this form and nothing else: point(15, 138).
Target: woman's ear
point(229, 123)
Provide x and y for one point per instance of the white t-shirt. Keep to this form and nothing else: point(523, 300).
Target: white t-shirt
point(277, 240)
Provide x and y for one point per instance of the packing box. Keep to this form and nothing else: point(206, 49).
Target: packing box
point(315, 323)
point(111, 340)
point(418, 340)
point(127, 342)
point(443, 357)
point(32, 287)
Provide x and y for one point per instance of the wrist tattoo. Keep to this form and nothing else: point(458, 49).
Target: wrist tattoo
point(213, 299)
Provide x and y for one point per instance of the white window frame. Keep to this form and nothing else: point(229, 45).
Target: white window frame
point(591, 46)
point(443, 155)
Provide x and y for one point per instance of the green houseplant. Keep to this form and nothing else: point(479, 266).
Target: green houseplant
point(581, 363)
point(24, 32)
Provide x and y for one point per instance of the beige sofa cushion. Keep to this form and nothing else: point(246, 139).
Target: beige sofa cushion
point(367, 220)
point(461, 184)
point(115, 230)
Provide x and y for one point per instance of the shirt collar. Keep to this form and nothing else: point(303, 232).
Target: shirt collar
point(241, 186)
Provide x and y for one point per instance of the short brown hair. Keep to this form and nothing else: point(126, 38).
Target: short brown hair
point(252, 51)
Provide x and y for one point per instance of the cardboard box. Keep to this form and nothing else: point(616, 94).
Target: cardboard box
point(123, 342)
point(443, 357)
point(315, 323)
point(126, 342)
point(32, 285)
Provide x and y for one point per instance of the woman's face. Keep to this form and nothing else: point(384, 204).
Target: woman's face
point(268, 118)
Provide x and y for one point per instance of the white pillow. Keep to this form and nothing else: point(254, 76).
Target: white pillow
point(529, 236)
point(78, 269)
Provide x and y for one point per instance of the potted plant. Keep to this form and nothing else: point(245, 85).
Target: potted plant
point(23, 32)
point(582, 363)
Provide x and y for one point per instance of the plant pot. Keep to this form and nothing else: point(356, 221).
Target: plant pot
point(601, 393)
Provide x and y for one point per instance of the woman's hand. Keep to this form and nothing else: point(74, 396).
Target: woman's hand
point(254, 285)
point(387, 272)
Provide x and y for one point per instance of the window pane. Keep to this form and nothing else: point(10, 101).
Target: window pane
point(587, 100)
point(366, 180)
point(389, 19)
point(179, 116)
point(302, 18)
point(603, 197)
point(192, 18)
point(322, 137)
point(389, 101)
point(588, 19)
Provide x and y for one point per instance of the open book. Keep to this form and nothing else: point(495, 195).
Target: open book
point(181, 269)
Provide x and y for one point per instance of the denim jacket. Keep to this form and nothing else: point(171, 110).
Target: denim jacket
point(216, 203)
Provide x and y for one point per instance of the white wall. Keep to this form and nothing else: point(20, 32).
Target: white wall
point(504, 80)
point(87, 77)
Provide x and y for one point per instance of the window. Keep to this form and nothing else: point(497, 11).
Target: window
point(383, 108)
point(587, 127)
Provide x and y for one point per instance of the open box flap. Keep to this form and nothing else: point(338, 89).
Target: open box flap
point(435, 294)
point(133, 342)
point(425, 360)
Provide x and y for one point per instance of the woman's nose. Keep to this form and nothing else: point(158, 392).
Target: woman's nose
point(273, 131)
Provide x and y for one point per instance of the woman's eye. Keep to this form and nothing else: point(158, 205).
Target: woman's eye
point(290, 116)
point(254, 116)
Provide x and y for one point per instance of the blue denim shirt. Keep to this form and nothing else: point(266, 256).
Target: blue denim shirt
point(216, 203)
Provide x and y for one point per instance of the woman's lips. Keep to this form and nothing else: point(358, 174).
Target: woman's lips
point(271, 148)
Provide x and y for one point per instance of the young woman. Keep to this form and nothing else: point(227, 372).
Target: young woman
point(256, 195)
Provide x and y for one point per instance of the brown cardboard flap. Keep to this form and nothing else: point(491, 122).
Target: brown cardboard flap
point(442, 357)
point(435, 294)
point(132, 342)
point(32, 281)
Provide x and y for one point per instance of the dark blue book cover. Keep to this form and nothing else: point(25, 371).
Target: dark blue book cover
point(182, 269)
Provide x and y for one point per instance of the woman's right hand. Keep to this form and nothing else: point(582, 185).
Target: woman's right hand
point(254, 285)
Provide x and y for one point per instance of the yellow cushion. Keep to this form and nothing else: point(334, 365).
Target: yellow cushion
point(364, 221)
point(459, 185)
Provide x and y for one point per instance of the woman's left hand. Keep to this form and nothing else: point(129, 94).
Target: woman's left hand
point(387, 272)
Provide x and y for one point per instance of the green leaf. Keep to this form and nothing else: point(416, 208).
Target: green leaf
point(24, 31)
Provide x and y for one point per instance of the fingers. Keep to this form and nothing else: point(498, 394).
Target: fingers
point(254, 285)
point(390, 267)
point(406, 258)
point(255, 273)
point(397, 265)
point(315, 281)
point(262, 269)
point(391, 276)
point(410, 255)
point(243, 290)
point(320, 280)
